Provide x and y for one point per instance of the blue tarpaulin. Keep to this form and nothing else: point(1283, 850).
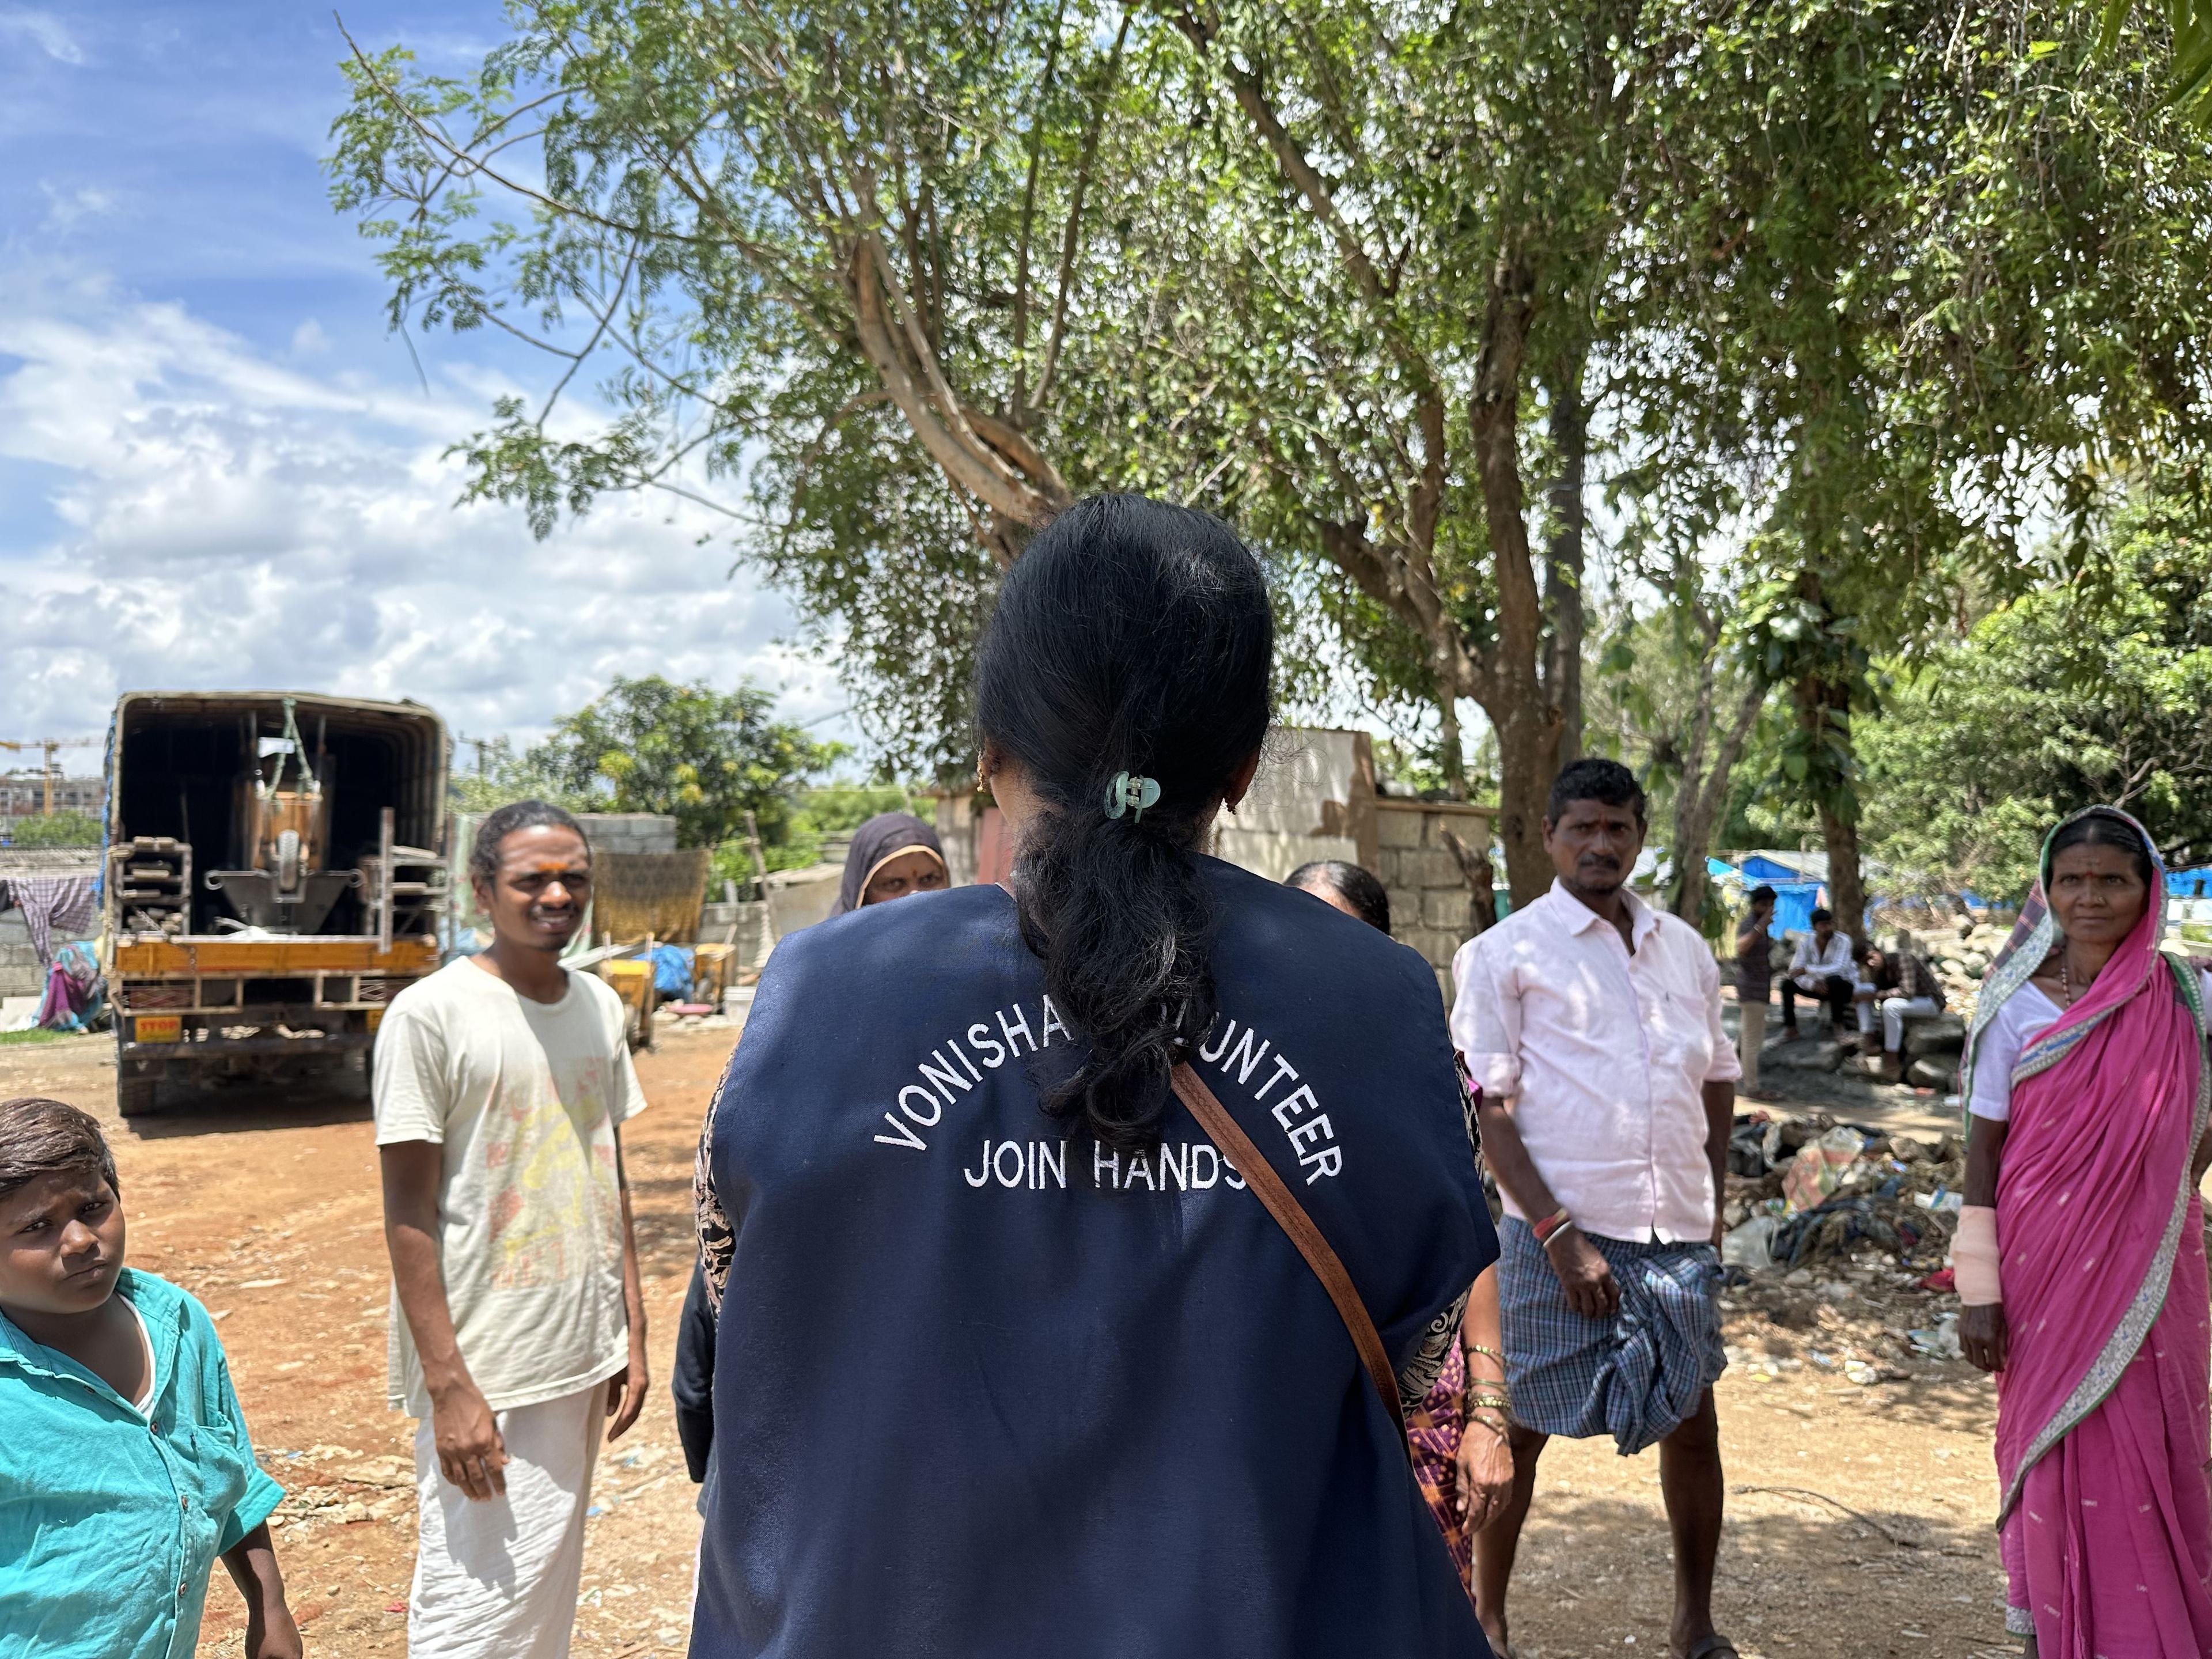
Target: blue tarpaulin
point(1794, 899)
point(1794, 904)
point(671, 970)
point(1757, 870)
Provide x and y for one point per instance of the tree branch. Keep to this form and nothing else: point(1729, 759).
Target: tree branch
point(1071, 234)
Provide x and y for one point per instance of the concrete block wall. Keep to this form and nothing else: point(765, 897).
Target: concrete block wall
point(20, 976)
point(1429, 898)
point(630, 832)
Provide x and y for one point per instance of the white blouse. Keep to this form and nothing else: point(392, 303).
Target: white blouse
point(2026, 1016)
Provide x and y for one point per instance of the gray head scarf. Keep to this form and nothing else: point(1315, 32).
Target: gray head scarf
point(882, 838)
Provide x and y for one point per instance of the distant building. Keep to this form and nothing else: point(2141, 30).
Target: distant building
point(23, 795)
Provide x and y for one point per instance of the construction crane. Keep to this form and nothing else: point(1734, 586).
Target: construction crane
point(49, 747)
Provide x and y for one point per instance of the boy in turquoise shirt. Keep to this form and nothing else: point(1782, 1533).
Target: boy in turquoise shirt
point(126, 1468)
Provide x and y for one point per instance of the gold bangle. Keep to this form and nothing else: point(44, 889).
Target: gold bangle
point(1477, 1348)
point(1499, 1429)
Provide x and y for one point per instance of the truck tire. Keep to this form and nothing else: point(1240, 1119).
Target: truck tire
point(134, 1092)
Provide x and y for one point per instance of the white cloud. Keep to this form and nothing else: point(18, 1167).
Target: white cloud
point(225, 519)
point(66, 208)
point(308, 340)
point(46, 31)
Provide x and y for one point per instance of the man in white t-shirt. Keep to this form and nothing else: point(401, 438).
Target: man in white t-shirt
point(518, 1324)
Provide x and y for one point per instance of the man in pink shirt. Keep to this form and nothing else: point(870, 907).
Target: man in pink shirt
point(1592, 1023)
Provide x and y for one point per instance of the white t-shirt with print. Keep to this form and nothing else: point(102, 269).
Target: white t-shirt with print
point(524, 1096)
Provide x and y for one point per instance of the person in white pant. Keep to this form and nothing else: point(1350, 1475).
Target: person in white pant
point(517, 1326)
point(1897, 986)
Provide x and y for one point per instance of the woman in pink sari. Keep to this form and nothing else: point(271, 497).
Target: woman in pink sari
point(2081, 1256)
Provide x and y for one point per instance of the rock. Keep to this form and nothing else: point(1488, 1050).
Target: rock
point(1821, 1056)
point(1931, 1073)
point(1905, 1150)
point(1943, 1034)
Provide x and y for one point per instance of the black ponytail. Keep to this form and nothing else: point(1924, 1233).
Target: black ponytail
point(1131, 636)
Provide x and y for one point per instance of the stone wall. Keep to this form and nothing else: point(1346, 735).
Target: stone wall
point(21, 973)
point(628, 832)
point(1429, 898)
point(1315, 798)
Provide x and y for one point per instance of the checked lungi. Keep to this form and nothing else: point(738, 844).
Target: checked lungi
point(1634, 1376)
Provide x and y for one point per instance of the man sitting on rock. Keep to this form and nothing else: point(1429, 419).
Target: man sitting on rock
point(1901, 986)
point(1820, 968)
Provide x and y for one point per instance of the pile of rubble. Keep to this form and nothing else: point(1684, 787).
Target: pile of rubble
point(1823, 1216)
point(1961, 957)
point(1802, 1190)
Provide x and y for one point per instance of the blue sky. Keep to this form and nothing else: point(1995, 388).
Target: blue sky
point(217, 468)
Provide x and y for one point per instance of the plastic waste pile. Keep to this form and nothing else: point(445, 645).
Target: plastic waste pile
point(1803, 1191)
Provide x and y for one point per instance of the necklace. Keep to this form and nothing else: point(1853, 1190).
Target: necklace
point(2065, 979)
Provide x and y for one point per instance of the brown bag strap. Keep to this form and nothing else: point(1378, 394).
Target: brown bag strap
point(1229, 1136)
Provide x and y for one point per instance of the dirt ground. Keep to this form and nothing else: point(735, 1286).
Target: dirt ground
point(1859, 1516)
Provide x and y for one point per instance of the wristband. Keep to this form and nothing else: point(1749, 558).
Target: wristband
point(1974, 1256)
point(1546, 1226)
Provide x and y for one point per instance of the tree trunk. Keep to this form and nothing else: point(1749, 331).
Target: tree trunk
point(1451, 745)
point(1512, 690)
point(1527, 761)
point(1846, 886)
point(1563, 557)
point(1697, 805)
point(1824, 708)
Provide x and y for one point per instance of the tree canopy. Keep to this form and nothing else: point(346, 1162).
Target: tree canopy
point(1837, 305)
point(2072, 694)
point(703, 757)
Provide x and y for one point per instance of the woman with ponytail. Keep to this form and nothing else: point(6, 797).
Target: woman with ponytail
point(1018, 1354)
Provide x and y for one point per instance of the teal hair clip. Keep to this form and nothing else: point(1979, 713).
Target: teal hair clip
point(1131, 795)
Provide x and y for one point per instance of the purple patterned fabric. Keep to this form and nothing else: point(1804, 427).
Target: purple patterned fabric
point(53, 905)
point(1434, 1428)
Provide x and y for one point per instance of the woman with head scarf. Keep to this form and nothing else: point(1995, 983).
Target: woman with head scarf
point(2080, 1255)
point(1023, 1360)
point(893, 855)
point(1462, 1453)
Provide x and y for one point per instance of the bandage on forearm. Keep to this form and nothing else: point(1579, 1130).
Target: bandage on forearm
point(1974, 1256)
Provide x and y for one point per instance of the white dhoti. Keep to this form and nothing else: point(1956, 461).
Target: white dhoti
point(498, 1580)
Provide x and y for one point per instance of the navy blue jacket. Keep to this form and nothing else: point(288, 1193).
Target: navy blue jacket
point(995, 1393)
point(693, 1383)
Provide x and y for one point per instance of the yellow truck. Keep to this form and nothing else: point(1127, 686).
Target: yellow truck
point(275, 875)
